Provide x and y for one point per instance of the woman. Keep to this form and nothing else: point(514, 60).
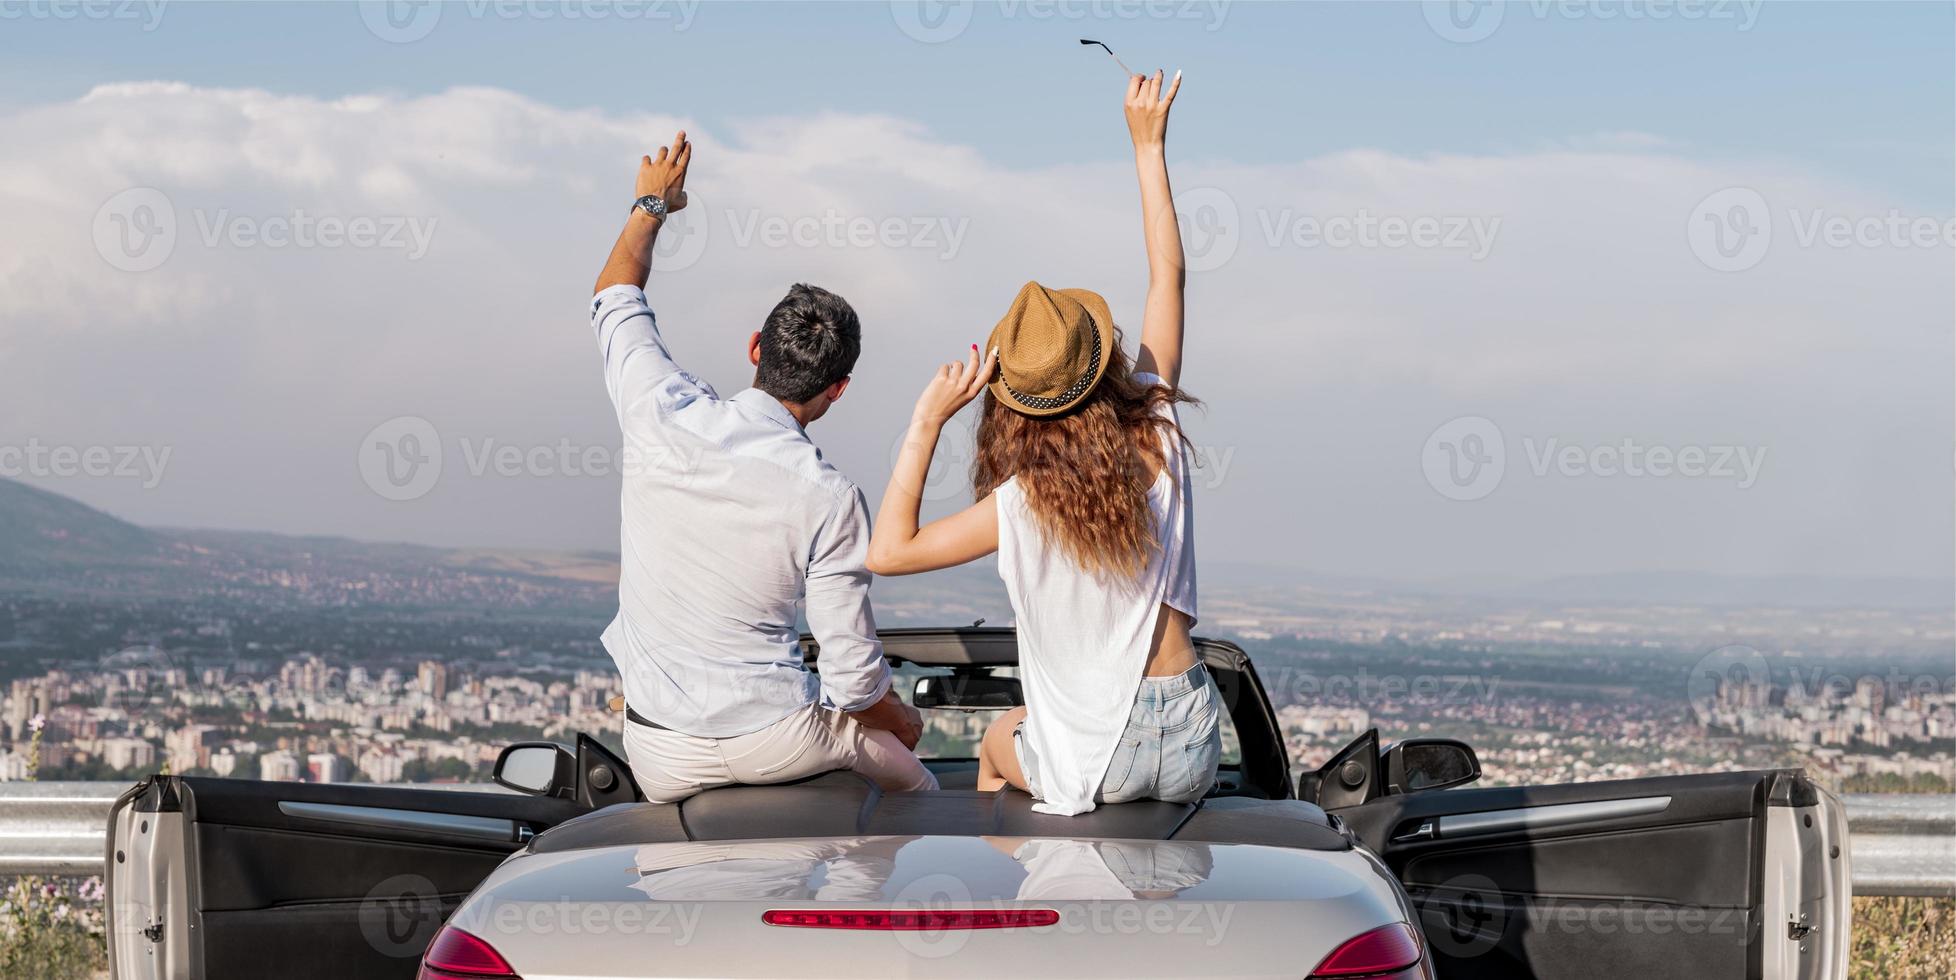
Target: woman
point(1083, 491)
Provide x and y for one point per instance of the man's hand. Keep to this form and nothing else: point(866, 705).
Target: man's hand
point(665, 174)
point(892, 715)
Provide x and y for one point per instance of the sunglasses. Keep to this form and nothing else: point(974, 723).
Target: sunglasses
point(1125, 70)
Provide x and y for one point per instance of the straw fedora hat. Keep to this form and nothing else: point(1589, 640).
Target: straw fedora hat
point(1053, 348)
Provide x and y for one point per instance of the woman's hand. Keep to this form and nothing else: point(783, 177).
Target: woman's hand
point(1147, 109)
point(954, 386)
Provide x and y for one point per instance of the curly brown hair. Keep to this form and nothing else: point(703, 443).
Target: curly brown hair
point(1086, 473)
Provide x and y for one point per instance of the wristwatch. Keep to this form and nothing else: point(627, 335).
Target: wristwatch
point(651, 204)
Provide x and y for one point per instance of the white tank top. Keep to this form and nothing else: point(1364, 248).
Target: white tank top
point(1083, 641)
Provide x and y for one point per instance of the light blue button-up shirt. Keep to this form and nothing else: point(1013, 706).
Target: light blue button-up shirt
point(730, 521)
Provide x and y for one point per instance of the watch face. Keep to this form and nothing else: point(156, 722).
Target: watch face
point(652, 204)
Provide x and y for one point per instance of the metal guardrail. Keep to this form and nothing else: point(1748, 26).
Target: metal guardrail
point(1902, 845)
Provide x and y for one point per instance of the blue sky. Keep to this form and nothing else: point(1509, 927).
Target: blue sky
point(1861, 90)
point(1595, 156)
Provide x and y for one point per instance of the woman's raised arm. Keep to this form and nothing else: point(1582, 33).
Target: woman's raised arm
point(1161, 323)
point(898, 546)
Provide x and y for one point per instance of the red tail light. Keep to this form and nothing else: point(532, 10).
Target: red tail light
point(911, 920)
point(1386, 953)
point(456, 955)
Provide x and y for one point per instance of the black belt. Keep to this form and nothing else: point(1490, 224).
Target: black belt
point(635, 718)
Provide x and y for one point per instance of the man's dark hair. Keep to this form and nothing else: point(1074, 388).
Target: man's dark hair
point(810, 341)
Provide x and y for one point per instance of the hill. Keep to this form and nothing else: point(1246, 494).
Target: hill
point(40, 530)
point(52, 545)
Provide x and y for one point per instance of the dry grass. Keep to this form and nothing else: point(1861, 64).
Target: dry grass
point(1904, 939)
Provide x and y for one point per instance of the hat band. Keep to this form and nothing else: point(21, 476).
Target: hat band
point(1064, 398)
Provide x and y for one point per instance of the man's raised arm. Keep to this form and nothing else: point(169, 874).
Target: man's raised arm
point(661, 189)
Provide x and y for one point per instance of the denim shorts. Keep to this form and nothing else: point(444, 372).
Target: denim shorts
point(1170, 749)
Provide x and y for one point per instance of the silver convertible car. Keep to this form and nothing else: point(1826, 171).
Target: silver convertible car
point(1385, 863)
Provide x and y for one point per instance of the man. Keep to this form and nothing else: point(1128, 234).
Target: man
point(730, 519)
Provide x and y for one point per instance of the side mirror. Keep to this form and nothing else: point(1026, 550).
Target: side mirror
point(537, 768)
point(969, 691)
point(1349, 779)
point(1419, 764)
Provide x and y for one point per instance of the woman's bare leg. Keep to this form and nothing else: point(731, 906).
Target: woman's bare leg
point(998, 764)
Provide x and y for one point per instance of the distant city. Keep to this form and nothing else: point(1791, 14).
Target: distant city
point(125, 651)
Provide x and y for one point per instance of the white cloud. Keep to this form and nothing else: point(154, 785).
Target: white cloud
point(1589, 318)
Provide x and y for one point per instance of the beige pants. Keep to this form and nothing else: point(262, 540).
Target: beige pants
point(670, 767)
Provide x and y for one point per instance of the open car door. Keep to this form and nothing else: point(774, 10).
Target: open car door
point(214, 878)
point(1724, 876)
